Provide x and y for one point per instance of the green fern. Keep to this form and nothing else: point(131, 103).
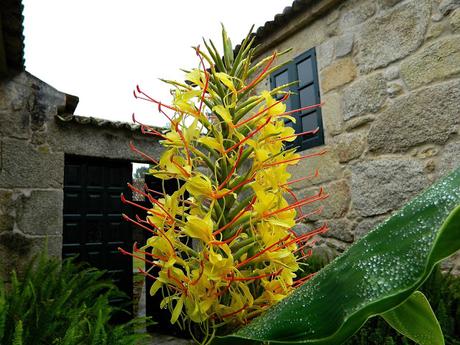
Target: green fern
point(61, 303)
point(18, 332)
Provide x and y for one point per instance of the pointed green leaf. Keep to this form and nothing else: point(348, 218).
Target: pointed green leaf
point(376, 274)
point(415, 319)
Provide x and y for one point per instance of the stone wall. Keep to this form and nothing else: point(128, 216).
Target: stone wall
point(389, 73)
point(36, 132)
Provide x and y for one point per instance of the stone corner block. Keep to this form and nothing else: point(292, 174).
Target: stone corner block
point(349, 146)
point(366, 95)
point(436, 61)
point(427, 116)
point(384, 185)
point(397, 33)
point(337, 74)
point(40, 213)
point(25, 167)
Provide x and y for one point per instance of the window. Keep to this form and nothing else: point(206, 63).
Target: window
point(305, 93)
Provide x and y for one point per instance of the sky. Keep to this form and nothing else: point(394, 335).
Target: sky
point(99, 50)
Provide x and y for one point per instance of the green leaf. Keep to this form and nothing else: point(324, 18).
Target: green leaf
point(374, 275)
point(415, 319)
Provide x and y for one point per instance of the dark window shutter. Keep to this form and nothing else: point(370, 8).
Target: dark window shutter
point(304, 70)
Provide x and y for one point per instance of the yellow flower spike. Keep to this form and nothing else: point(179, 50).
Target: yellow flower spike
point(275, 109)
point(223, 242)
point(198, 227)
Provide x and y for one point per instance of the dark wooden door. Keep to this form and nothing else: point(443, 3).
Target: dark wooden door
point(93, 227)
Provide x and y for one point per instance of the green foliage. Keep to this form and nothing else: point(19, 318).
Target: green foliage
point(415, 319)
point(376, 274)
point(62, 303)
point(443, 292)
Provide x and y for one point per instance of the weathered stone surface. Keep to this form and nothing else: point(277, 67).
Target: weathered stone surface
point(395, 89)
point(357, 15)
point(388, 3)
point(437, 61)
point(334, 206)
point(87, 140)
point(447, 6)
point(327, 165)
point(332, 113)
point(366, 225)
point(366, 95)
point(53, 245)
point(430, 115)
point(436, 29)
point(344, 45)
point(358, 122)
point(339, 73)
point(383, 185)
point(393, 35)
point(41, 212)
point(455, 21)
point(325, 53)
point(24, 167)
point(6, 210)
point(391, 72)
point(450, 158)
point(339, 229)
point(349, 146)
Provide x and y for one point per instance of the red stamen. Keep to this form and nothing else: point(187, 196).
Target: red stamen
point(170, 276)
point(156, 202)
point(316, 174)
point(150, 99)
point(235, 312)
point(125, 217)
point(307, 236)
point(164, 235)
point(316, 211)
point(134, 149)
point(314, 131)
point(230, 174)
point(162, 258)
point(294, 196)
point(254, 132)
point(183, 171)
point(124, 252)
point(218, 243)
point(206, 79)
point(303, 202)
point(304, 108)
point(126, 201)
point(239, 185)
point(256, 277)
point(199, 276)
point(320, 153)
point(256, 80)
point(285, 97)
point(238, 216)
point(242, 263)
point(147, 274)
point(303, 280)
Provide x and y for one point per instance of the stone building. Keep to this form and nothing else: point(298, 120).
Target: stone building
point(388, 72)
point(44, 151)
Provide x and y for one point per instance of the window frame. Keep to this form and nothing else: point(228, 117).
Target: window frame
point(302, 142)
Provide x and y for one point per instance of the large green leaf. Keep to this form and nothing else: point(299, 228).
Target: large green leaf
point(376, 274)
point(415, 319)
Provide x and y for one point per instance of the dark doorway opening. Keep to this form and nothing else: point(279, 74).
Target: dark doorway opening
point(93, 225)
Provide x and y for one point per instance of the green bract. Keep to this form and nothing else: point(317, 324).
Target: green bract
point(376, 274)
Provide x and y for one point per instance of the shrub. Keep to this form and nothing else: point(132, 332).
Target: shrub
point(62, 303)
